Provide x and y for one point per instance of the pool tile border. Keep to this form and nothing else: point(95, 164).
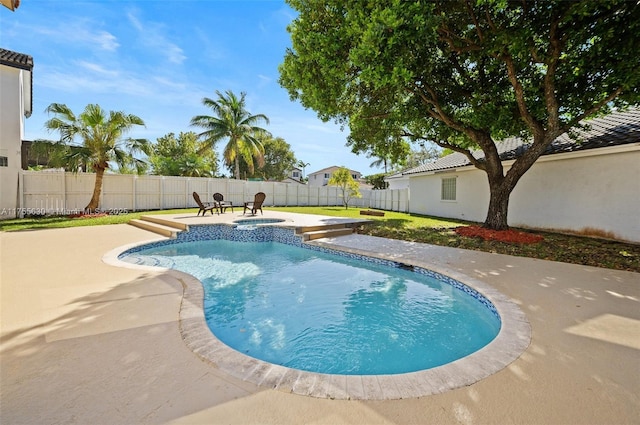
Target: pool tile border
point(512, 340)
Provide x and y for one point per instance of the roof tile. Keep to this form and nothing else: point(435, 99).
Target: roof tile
point(617, 128)
point(15, 59)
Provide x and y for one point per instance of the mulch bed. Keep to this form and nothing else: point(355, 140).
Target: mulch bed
point(508, 236)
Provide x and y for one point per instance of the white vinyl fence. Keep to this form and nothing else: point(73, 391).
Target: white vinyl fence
point(58, 192)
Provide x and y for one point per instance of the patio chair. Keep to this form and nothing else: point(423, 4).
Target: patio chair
point(256, 204)
point(204, 207)
point(222, 204)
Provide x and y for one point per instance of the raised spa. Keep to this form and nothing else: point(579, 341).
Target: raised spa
point(255, 221)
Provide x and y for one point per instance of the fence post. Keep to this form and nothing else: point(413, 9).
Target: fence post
point(21, 185)
point(134, 184)
point(187, 186)
point(162, 192)
point(64, 192)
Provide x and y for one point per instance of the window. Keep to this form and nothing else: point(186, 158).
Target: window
point(296, 174)
point(354, 176)
point(327, 175)
point(448, 192)
point(4, 161)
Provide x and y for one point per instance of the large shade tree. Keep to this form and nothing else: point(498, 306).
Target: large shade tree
point(423, 155)
point(464, 74)
point(279, 159)
point(183, 155)
point(231, 121)
point(390, 155)
point(101, 134)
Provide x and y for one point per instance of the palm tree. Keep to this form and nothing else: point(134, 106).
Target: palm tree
point(302, 165)
point(102, 141)
point(380, 162)
point(232, 121)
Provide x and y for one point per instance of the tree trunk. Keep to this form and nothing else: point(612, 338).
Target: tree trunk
point(97, 188)
point(500, 187)
point(237, 167)
point(498, 208)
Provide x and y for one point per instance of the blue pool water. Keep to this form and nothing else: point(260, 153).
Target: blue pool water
point(320, 312)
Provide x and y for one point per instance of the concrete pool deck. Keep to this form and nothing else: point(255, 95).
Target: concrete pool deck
point(87, 342)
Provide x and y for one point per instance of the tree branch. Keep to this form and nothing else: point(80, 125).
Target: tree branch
point(439, 113)
point(555, 49)
point(593, 110)
point(475, 21)
point(532, 123)
point(445, 145)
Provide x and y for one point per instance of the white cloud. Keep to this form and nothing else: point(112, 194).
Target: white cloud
point(175, 54)
point(105, 40)
point(169, 83)
point(152, 36)
point(263, 80)
point(97, 68)
point(88, 83)
point(135, 21)
point(78, 33)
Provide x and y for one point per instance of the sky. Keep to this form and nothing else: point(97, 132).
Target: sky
point(158, 59)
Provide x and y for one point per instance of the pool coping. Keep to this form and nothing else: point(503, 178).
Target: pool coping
point(512, 340)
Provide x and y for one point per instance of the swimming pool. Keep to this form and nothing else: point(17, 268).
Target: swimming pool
point(513, 338)
point(321, 312)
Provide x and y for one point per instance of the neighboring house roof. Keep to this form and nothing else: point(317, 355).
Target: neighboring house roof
point(397, 175)
point(618, 128)
point(20, 61)
point(332, 168)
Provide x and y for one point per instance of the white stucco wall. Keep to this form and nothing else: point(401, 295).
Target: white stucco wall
point(583, 193)
point(398, 182)
point(595, 191)
point(318, 179)
point(11, 134)
point(472, 195)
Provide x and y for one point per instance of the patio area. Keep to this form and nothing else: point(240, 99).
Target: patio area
point(86, 342)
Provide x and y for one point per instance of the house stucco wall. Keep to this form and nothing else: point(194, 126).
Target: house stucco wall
point(398, 183)
point(318, 179)
point(596, 192)
point(472, 195)
point(11, 134)
point(582, 193)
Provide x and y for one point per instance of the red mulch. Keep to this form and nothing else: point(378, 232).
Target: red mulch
point(87, 215)
point(508, 236)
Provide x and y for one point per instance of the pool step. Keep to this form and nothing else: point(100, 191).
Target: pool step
point(163, 227)
point(307, 229)
point(170, 228)
point(163, 221)
point(326, 233)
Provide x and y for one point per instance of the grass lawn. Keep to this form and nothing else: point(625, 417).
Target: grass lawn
point(58, 221)
point(415, 228)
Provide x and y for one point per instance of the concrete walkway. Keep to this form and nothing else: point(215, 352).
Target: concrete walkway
point(88, 343)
